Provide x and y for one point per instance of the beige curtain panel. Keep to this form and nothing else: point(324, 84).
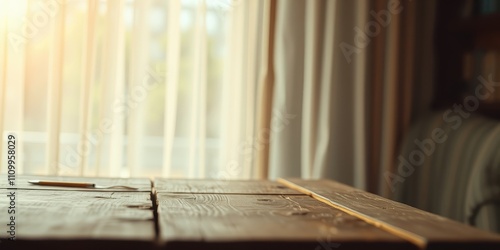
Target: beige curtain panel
point(345, 72)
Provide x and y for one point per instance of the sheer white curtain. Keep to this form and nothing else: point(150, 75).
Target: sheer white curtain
point(133, 88)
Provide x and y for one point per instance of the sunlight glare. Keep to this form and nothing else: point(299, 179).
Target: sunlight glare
point(16, 9)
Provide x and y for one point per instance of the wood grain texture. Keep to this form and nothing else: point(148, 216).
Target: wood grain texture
point(426, 230)
point(221, 221)
point(143, 184)
point(163, 185)
point(95, 219)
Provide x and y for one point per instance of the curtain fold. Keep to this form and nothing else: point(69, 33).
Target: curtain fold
point(265, 93)
point(55, 83)
point(391, 91)
point(233, 97)
point(88, 77)
point(110, 157)
point(197, 128)
point(312, 73)
point(376, 57)
point(289, 54)
point(170, 109)
point(361, 121)
point(137, 68)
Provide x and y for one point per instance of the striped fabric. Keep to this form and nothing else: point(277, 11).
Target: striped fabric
point(458, 178)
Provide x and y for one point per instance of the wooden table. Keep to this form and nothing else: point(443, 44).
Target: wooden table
point(209, 214)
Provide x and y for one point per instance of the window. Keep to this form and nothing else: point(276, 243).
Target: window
point(142, 46)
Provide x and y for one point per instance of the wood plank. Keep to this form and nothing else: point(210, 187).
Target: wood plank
point(57, 219)
point(143, 184)
point(201, 186)
point(426, 230)
point(221, 221)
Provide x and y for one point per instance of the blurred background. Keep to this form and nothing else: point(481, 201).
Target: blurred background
point(396, 97)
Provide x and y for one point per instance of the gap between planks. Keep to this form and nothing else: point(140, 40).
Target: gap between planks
point(231, 193)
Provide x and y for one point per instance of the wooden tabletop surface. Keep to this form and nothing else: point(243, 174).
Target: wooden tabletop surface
point(210, 214)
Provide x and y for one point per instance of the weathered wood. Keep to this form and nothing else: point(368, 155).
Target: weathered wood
point(221, 221)
point(426, 230)
point(56, 219)
point(221, 186)
point(143, 184)
point(210, 214)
